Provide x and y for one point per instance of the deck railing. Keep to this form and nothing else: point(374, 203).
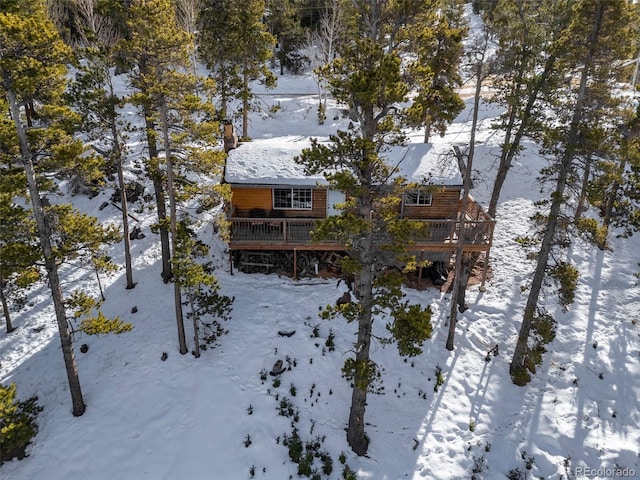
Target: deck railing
point(277, 230)
point(477, 232)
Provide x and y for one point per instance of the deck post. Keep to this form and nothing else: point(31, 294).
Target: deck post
point(486, 260)
point(295, 264)
point(482, 288)
point(231, 262)
point(420, 270)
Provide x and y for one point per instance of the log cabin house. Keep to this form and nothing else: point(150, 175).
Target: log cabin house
point(275, 206)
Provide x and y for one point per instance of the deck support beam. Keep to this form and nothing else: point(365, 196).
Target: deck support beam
point(295, 264)
point(485, 268)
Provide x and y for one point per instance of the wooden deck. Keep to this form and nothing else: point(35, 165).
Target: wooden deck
point(294, 234)
point(275, 234)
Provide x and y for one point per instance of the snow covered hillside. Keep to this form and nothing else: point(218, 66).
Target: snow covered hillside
point(222, 417)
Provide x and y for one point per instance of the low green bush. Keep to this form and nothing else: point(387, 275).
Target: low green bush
point(17, 423)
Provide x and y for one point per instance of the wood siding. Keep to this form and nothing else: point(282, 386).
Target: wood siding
point(444, 205)
point(245, 199)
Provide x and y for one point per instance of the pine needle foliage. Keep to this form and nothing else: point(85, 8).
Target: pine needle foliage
point(236, 45)
point(33, 80)
point(19, 251)
point(566, 276)
point(92, 321)
point(207, 306)
point(590, 49)
point(369, 76)
point(18, 426)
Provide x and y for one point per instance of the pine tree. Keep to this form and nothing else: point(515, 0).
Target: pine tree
point(33, 73)
point(601, 157)
point(136, 64)
point(93, 95)
point(236, 46)
point(589, 47)
point(283, 23)
point(525, 72)
point(608, 141)
point(215, 20)
point(32, 70)
point(367, 76)
point(186, 123)
point(200, 284)
point(19, 251)
point(78, 237)
point(464, 261)
point(437, 35)
point(615, 189)
point(82, 307)
point(162, 47)
point(18, 426)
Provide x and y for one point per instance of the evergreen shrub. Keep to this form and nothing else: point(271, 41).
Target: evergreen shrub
point(17, 423)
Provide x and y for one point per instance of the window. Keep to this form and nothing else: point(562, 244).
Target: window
point(417, 197)
point(292, 198)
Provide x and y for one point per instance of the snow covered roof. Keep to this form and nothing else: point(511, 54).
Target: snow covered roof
point(420, 163)
point(270, 162)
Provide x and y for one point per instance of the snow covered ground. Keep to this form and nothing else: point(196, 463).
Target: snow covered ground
point(193, 418)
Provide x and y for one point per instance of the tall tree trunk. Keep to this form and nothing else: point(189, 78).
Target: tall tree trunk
point(161, 207)
point(459, 282)
point(356, 436)
point(468, 263)
point(196, 330)
point(177, 294)
point(517, 368)
point(156, 178)
point(5, 306)
point(123, 204)
point(245, 104)
point(44, 235)
point(97, 272)
point(125, 229)
point(457, 277)
point(511, 146)
point(281, 58)
point(582, 197)
point(612, 198)
point(222, 91)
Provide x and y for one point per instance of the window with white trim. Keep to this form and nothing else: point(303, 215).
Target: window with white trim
point(418, 198)
point(292, 198)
